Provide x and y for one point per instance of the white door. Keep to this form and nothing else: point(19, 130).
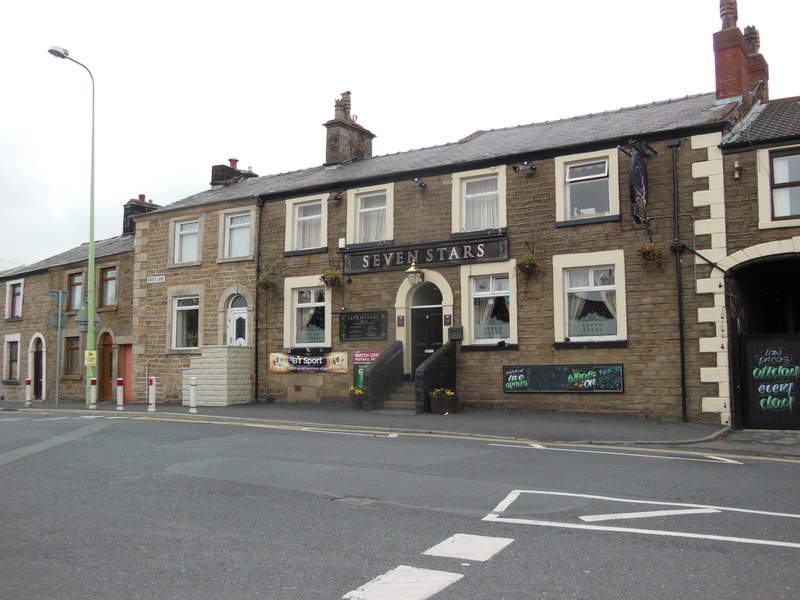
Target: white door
point(237, 322)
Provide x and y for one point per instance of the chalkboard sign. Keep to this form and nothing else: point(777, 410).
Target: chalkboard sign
point(362, 326)
point(772, 379)
point(563, 378)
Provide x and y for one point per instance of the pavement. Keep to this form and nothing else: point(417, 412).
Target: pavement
point(481, 423)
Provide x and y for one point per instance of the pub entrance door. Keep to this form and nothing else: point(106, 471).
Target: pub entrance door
point(426, 324)
point(770, 365)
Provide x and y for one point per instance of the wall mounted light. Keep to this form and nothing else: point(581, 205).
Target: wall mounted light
point(418, 183)
point(415, 276)
point(737, 170)
point(525, 167)
point(335, 197)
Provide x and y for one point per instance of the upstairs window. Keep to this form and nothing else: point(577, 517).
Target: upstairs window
point(186, 241)
point(75, 291)
point(14, 300)
point(306, 224)
point(786, 184)
point(587, 186)
point(237, 235)
point(108, 286)
point(371, 218)
point(479, 200)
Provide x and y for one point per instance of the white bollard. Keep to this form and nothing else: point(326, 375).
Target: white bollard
point(120, 390)
point(28, 394)
point(193, 396)
point(93, 394)
point(151, 401)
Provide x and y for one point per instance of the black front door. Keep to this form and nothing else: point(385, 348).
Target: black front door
point(426, 334)
point(37, 370)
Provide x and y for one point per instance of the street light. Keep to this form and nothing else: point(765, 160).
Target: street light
point(59, 52)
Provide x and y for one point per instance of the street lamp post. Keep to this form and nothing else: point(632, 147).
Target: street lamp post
point(90, 305)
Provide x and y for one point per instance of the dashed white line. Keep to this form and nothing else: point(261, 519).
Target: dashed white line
point(469, 547)
point(404, 583)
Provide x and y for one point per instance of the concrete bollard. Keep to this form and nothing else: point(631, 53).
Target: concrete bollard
point(28, 393)
point(193, 395)
point(120, 390)
point(151, 396)
point(93, 394)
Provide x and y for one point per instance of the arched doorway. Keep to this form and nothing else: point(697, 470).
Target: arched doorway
point(105, 369)
point(38, 369)
point(764, 308)
point(426, 323)
point(237, 322)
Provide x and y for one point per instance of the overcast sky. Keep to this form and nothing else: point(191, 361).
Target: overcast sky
point(183, 85)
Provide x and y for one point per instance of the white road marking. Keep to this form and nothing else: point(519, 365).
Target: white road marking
point(404, 583)
point(711, 459)
point(11, 456)
point(382, 435)
point(495, 515)
point(648, 514)
point(469, 547)
point(90, 417)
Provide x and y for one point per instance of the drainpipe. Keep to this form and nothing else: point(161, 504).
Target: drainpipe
point(677, 248)
point(260, 206)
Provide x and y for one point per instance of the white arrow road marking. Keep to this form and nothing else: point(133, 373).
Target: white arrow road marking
point(404, 583)
point(469, 547)
point(711, 459)
point(647, 514)
point(496, 515)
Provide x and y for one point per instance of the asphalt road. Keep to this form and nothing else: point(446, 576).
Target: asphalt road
point(112, 507)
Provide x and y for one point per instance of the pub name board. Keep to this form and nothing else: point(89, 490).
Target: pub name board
point(446, 253)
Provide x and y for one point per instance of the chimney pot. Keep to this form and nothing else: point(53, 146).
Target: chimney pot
point(233, 162)
point(141, 197)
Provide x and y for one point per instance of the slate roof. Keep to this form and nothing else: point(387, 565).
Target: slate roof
point(102, 249)
point(769, 123)
point(698, 112)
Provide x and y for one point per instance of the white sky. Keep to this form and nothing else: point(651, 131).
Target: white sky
point(182, 85)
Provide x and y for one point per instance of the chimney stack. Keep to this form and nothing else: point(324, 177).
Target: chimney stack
point(346, 140)
point(230, 173)
point(133, 208)
point(742, 73)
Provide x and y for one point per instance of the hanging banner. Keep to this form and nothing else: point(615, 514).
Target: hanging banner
point(330, 362)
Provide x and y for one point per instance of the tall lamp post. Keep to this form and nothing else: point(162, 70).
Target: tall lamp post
point(90, 307)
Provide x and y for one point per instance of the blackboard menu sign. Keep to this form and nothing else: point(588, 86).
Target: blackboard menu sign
point(581, 379)
point(772, 379)
point(362, 326)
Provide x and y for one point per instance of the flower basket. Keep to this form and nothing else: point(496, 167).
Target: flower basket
point(651, 256)
point(266, 281)
point(527, 264)
point(331, 279)
point(356, 397)
point(443, 400)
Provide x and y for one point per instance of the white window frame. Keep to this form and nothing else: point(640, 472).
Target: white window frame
point(178, 309)
point(495, 269)
point(458, 210)
point(354, 197)
point(13, 338)
point(765, 213)
point(10, 298)
point(177, 235)
point(290, 285)
point(226, 227)
point(291, 222)
point(565, 262)
point(562, 164)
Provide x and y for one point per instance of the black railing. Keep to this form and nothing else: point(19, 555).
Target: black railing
point(438, 371)
point(383, 376)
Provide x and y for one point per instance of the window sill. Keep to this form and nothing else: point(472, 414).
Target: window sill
point(231, 259)
point(10, 381)
point(367, 245)
point(13, 319)
point(478, 233)
point(184, 351)
point(193, 263)
point(589, 345)
point(71, 377)
point(308, 350)
point(109, 308)
point(499, 347)
point(305, 252)
point(588, 221)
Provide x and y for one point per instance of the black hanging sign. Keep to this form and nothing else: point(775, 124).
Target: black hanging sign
point(637, 182)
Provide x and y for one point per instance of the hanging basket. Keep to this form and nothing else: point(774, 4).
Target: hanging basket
point(331, 279)
point(651, 256)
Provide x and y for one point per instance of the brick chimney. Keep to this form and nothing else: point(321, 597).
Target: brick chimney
point(346, 141)
point(742, 72)
point(230, 173)
point(134, 207)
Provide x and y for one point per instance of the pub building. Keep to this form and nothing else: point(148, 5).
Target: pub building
point(615, 263)
point(567, 265)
